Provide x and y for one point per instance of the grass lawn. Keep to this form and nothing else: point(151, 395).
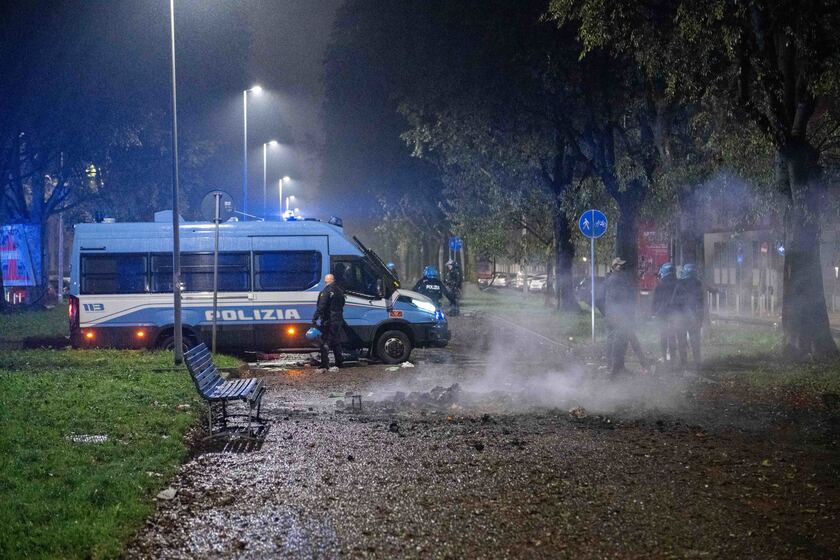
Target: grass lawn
point(62, 499)
point(732, 352)
point(15, 327)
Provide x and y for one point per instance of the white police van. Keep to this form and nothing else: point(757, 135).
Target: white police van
point(269, 277)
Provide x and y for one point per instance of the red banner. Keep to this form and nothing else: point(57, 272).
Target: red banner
point(654, 250)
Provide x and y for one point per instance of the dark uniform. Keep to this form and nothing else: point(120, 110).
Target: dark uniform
point(453, 280)
point(330, 310)
point(431, 287)
point(690, 293)
point(620, 314)
point(665, 308)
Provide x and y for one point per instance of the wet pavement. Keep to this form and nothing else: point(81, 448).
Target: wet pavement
point(535, 453)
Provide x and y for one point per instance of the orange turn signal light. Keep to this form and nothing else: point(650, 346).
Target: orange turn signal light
point(140, 334)
point(291, 330)
point(89, 335)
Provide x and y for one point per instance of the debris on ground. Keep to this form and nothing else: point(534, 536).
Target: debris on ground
point(437, 397)
point(87, 438)
point(168, 494)
point(406, 365)
point(578, 412)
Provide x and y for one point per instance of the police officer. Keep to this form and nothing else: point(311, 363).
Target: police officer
point(690, 293)
point(330, 310)
point(431, 286)
point(619, 304)
point(392, 268)
point(454, 281)
point(664, 309)
point(632, 339)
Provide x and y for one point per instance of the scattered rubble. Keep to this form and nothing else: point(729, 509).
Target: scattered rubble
point(578, 413)
point(87, 438)
point(168, 494)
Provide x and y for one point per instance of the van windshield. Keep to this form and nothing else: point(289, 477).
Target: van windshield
point(355, 275)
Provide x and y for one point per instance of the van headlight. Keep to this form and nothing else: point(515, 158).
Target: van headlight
point(424, 306)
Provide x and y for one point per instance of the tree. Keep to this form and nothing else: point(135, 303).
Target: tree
point(774, 66)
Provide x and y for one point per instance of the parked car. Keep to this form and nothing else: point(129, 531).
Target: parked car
point(538, 283)
point(500, 280)
point(521, 279)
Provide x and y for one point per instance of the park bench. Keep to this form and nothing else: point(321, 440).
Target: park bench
point(217, 391)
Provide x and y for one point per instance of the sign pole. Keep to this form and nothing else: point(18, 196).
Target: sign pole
point(60, 285)
point(592, 224)
point(217, 217)
point(592, 275)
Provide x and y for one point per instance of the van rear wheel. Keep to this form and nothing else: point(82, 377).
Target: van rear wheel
point(393, 347)
point(168, 342)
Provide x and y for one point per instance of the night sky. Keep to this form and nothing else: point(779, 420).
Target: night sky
point(115, 54)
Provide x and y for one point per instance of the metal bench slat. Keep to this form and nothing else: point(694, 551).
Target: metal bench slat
point(195, 349)
point(208, 390)
point(200, 362)
point(210, 371)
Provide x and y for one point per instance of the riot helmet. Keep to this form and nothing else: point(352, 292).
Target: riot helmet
point(431, 272)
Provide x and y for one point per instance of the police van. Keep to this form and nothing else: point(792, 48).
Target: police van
point(269, 277)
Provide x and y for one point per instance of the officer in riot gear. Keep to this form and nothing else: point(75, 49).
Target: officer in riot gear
point(392, 268)
point(453, 280)
point(690, 294)
point(431, 286)
point(601, 306)
point(665, 311)
point(619, 308)
point(330, 310)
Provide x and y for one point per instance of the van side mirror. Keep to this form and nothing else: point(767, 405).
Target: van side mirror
point(380, 288)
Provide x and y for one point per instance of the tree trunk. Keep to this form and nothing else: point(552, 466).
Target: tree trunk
point(805, 324)
point(2, 289)
point(549, 284)
point(627, 229)
point(690, 249)
point(564, 257)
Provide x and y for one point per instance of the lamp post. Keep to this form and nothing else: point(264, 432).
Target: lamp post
point(288, 200)
point(255, 90)
point(280, 182)
point(271, 143)
point(176, 242)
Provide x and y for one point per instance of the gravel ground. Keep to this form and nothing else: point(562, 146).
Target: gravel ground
point(534, 454)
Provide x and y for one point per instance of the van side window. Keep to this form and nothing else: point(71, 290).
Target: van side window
point(355, 275)
point(197, 272)
point(113, 274)
point(286, 271)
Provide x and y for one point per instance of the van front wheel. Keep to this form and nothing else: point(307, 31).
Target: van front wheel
point(393, 347)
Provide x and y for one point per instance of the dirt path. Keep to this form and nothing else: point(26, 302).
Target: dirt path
point(644, 467)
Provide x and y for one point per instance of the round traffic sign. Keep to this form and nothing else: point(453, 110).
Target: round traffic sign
point(593, 223)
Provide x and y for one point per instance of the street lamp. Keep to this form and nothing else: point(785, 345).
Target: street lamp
point(280, 182)
point(271, 143)
point(288, 200)
point(255, 90)
point(176, 241)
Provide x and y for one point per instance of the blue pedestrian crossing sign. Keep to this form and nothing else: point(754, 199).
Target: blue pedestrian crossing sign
point(593, 224)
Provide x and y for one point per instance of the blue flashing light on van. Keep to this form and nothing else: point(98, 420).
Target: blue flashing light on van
point(269, 277)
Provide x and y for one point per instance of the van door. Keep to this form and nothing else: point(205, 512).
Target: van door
point(288, 273)
point(364, 309)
